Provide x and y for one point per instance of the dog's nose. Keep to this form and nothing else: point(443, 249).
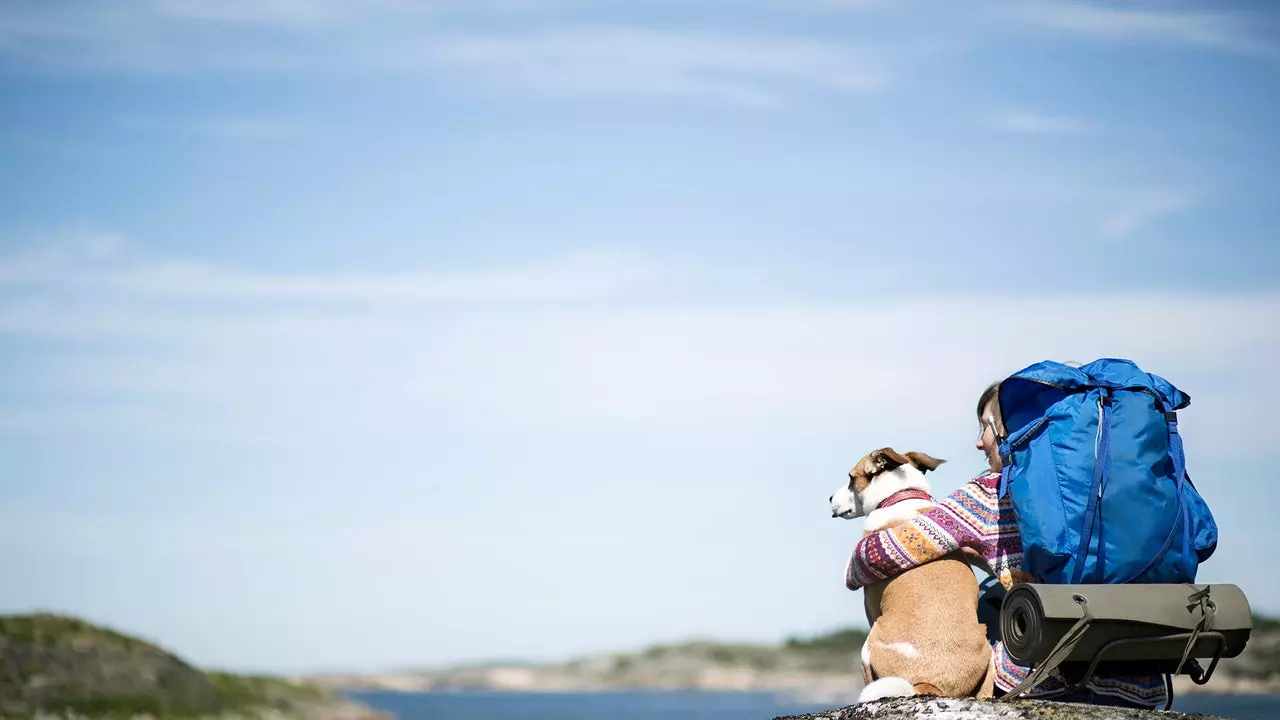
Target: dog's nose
point(830, 498)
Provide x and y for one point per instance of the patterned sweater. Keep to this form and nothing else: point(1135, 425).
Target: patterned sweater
point(975, 517)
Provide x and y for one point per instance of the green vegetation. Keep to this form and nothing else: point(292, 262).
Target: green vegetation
point(841, 641)
point(723, 653)
point(1261, 623)
point(1261, 657)
point(831, 652)
point(56, 664)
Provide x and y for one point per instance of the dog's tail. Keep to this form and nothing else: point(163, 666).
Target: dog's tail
point(886, 688)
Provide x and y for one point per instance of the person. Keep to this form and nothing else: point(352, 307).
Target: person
point(974, 520)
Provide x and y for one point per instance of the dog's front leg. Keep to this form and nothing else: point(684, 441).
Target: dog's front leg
point(868, 677)
point(988, 687)
point(871, 606)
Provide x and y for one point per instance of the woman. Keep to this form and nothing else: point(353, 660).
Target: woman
point(976, 521)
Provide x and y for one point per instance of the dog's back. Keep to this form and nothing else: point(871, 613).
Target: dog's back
point(926, 632)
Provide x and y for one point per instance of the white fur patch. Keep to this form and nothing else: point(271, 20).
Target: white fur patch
point(906, 650)
point(886, 688)
point(866, 653)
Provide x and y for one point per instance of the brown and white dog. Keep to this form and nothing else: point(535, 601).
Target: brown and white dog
point(925, 637)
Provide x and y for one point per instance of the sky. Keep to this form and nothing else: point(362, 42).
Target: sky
point(377, 335)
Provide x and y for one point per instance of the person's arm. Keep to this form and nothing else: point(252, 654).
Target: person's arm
point(969, 518)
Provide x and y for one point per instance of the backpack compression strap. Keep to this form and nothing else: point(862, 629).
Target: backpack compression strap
point(1179, 476)
point(1100, 463)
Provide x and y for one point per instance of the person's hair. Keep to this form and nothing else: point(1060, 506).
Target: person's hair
point(991, 396)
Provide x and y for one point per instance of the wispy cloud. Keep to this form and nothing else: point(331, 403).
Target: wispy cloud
point(628, 60)
point(103, 265)
point(482, 343)
point(304, 13)
point(1144, 210)
point(438, 435)
point(182, 36)
point(1217, 28)
point(1027, 122)
point(132, 36)
point(246, 128)
point(280, 12)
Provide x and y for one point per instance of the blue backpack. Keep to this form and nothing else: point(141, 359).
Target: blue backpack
point(1094, 466)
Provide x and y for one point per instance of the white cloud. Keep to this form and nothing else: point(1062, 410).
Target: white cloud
point(1034, 123)
point(245, 128)
point(307, 13)
point(101, 265)
point(232, 128)
point(130, 37)
point(547, 347)
point(626, 60)
point(1217, 29)
point(280, 12)
point(486, 446)
point(182, 36)
point(1144, 210)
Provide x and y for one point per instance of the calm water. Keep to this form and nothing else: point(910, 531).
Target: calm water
point(689, 705)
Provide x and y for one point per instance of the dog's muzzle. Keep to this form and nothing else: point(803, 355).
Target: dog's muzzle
point(845, 504)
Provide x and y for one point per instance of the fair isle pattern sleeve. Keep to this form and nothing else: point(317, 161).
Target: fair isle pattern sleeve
point(971, 517)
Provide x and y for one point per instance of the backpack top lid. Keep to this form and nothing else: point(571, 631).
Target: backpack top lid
point(1028, 393)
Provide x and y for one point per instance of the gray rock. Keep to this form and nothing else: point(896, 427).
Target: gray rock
point(936, 708)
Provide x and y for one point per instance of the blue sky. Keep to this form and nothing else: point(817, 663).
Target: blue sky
point(346, 335)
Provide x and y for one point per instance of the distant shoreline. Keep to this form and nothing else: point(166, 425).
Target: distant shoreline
point(820, 669)
point(1181, 687)
point(681, 670)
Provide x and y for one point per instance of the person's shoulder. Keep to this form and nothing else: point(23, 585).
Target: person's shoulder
point(986, 482)
point(981, 490)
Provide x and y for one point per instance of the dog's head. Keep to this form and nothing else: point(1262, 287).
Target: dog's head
point(878, 475)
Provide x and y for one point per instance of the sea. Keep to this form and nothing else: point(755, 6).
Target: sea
point(690, 705)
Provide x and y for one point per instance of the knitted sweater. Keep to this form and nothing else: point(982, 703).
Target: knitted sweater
point(975, 517)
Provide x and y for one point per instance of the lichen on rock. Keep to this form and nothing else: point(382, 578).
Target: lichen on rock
point(935, 708)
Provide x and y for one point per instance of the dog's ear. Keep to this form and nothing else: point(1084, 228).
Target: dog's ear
point(887, 459)
point(923, 462)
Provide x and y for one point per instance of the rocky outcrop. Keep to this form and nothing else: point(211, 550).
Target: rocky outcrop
point(47, 659)
point(969, 709)
point(58, 666)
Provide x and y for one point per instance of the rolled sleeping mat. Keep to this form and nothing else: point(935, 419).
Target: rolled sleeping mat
point(1153, 623)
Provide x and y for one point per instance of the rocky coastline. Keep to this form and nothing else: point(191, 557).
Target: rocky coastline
point(61, 667)
point(816, 670)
